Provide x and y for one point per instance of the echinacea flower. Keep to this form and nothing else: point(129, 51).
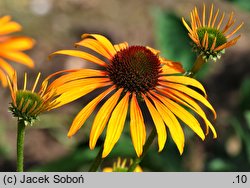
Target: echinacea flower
point(27, 104)
point(11, 48)
point(132, 77)
point(121, 166)
point(209, 37)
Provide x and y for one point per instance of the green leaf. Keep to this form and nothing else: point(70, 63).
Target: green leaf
point(244, 94)
point(220, 165)
point(72, 162)
point(243, 4)
point(247, 117)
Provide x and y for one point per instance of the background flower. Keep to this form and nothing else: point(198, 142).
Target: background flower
point(11, 48)
point(27, 104)
point(209, 33)
point(121, 166)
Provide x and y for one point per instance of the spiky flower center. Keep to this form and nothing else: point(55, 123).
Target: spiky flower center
point(136, 69)
point(28, 105)
point(212, 34)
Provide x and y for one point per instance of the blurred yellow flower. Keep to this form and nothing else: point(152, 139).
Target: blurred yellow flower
point(209, 38)
point(134, 80)
point(11, 48)
point(121, 166)
point(27, 104)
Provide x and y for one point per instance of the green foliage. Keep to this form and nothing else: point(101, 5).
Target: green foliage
point(244, 94)
point(4, 146)
point(243, 4)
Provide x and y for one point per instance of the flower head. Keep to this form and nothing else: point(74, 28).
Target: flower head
point(210, 39)
point(27, 104)
point(11, 48)
point(132, 80)
point(121, 166)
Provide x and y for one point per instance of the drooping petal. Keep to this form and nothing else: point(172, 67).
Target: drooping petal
point(9, 27)
point(192, 93)
point(102, 118)
point(73, 85)
point(4, 19)
point(74, 75)
point(171, 122)
point(137, 126)
point(183, 114)
point(116, 124)
point(6, 67)
point(159, 124)
point(3, 78)
point(19, 57)
point(190, 103)
point(83, 115)
point(72, 95)
point(184, 80)
point(81, 54)
point(17, 44)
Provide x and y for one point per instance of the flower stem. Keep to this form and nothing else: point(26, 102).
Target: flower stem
point(97, 162)
point(20, 144)
point(196, 67)
point(148, 143)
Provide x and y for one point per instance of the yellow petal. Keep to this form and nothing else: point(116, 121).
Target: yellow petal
point(18, 57)
point(9, 27)
point(84, 55)
point(190, 103)
point(102, 118)
point(76, 93)
point(103, 41)
point(186, 25)
point(116, 125)
point(17, 43)
point(184, 115)
point(184, 80)
point(169, 67)
point(137, 126)
point(78, 84)
point(107, 169)
point(121, 46)
point(83, 115)
point(3, 78)
point(94, 45)
point(192, 93)
point(4, 19)
point(171, 122)
point(74, 75)
point(6, 67)
point(154, 51)
point(159, 124)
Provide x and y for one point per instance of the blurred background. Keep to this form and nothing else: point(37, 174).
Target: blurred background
point(58, 25)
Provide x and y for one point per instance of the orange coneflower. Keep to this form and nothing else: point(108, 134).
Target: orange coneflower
point(11, 48)
point(121, 166)
point(27, 104)
point(132, 76)
point(210, 39)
